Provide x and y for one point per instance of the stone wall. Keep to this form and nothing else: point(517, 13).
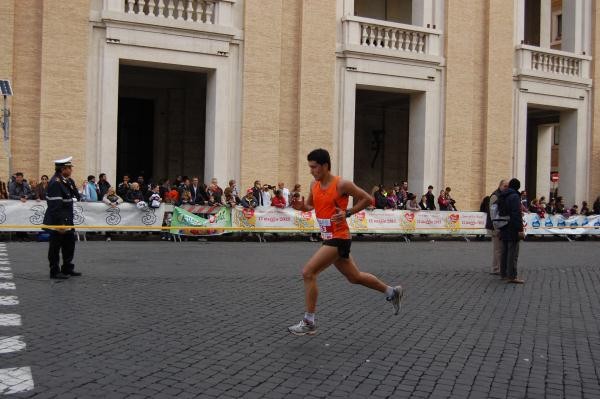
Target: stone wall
point(7, 22)
point(466, 100)
point(49, 63)
point(288, 88)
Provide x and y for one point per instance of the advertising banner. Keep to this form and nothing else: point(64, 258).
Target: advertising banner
point(29, 215)
point(273, 219)
point(366, 222)
point(384, 221)
point(558, 224)
point(181, 217)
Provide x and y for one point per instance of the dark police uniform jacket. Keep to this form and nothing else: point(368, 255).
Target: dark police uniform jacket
point(60, 197)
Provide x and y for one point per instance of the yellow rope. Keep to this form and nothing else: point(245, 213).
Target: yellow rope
point(232, 228)
point(299, 229)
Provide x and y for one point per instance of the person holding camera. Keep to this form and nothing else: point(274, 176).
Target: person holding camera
point(19, 189)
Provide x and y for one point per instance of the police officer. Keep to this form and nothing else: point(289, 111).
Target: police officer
point(61, 195)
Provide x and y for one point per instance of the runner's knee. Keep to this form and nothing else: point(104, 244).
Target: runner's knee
point(308, 274)
point(353, 278)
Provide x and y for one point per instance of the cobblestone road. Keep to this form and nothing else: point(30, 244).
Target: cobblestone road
point(165, 320)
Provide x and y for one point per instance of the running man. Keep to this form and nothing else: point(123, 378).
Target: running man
point(329, 198)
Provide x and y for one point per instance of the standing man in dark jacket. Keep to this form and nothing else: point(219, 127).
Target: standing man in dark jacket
point(430, 199)
point(257, 192)
point(510, 205)
point(103, 185)
point(60, 197)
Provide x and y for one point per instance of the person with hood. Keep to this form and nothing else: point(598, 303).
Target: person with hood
point(509, 204)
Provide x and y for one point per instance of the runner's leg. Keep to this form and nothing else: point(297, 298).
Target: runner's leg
point(325, 256)
point(348, 268)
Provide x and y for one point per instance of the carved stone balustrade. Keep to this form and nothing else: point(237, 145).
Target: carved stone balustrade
point(200, 15)
point(552, 64)
point(384, 38)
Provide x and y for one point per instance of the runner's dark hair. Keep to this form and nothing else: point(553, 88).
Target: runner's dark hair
point(320, 156)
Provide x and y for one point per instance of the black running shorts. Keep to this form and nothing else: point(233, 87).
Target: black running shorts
point(342, 245)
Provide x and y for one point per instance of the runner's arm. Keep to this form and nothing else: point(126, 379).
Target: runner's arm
point(305, 206)
point(361, 198)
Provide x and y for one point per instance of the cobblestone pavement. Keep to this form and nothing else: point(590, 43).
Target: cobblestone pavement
point(208, 319)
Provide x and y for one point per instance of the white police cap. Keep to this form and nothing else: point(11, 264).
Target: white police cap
point(63, 162)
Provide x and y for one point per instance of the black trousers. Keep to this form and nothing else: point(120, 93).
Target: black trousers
point(61, 242)
point(510, 256)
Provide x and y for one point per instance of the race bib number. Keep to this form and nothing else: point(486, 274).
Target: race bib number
point(326, 228)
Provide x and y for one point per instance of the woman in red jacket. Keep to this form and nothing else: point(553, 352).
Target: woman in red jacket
point(443, 201)
point(278, 201)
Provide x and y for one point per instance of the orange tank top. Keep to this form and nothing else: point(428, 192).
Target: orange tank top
point(325, 201)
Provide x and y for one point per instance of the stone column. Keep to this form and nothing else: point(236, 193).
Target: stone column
point(519, 152)
point(572, 158)
point(520, 22)
point(347, 122)
point(423, 153)
point(544, 160)
point(114, 5)
point(217, 124)
point(545, 23)
point(422, 13)
point(572, 25)
point(348, 7)
point(109, 105)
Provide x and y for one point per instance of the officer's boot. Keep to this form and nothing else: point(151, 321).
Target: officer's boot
point(68, 270)
point(57, 275)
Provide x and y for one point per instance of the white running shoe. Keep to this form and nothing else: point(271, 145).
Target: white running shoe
point(303, 328)
point(396, 300)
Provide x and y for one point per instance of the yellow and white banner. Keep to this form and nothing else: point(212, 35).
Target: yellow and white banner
point(367, 221)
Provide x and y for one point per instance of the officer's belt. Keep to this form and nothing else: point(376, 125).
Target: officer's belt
point(59, 198)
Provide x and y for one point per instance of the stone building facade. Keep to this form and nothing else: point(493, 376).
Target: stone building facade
point(439, 92)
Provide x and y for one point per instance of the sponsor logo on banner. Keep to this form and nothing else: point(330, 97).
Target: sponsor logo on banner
point(181, 217)
point(408, 221)
point(244, 217)
point(303, 220)
point(558, 224)
point(453, 221)
point(358, 221)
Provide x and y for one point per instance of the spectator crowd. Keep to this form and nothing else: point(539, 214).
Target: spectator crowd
point(185, 191)
point(555, 206)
